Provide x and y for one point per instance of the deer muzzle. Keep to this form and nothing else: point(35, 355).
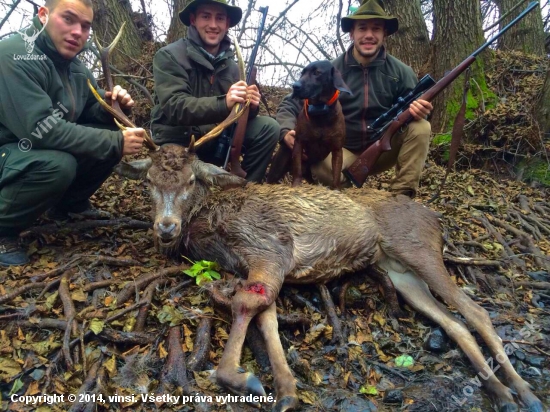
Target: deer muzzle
point(167, 230)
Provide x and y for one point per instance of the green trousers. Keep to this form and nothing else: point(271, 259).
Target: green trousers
point(34, 181)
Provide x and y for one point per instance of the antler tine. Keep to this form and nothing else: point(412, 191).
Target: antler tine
point(237, 109)
point(114, 108)
point(240, 60)
point(216, 131)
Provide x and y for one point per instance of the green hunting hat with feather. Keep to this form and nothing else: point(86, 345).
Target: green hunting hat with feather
point(234, 13)
point(370, 9)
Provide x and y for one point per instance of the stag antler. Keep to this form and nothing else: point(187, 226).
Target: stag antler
point(237, 110)
point(121, 119)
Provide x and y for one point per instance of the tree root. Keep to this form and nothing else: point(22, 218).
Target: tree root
point(174, 371)
point(136, 285)
point(333, 319)
point(201, 346)
point(133, 338)
point(87, 386)
point(68, 227)
point(147, 299)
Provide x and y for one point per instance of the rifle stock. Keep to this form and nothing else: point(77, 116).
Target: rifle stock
point(234, 150)
point(357, 173)
point(238, 135)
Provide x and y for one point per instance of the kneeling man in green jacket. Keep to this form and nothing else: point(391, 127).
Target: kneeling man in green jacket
point(377, 80)
point(57, 145)
point(197, 84)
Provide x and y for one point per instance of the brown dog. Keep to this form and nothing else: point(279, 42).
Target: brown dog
point(320, 126)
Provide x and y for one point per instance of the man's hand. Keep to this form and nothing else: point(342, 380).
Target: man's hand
point(289, 139)
point(237, 93)
point(133, 140)
point(254, 95)
point(419, 109)
point(121, 95)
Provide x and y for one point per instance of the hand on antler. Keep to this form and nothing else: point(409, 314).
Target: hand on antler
point(253, 94)
point(121, 95)
point(237, 93)
point(133, 140)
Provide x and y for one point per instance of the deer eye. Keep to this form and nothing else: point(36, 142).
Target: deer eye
point(192, 181)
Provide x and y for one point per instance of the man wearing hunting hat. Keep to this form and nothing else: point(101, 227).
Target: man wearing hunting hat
point(197, 84)
point(377, 80)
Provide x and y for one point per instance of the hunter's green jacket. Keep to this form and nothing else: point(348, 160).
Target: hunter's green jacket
point(45, 98)
point(376, 87)
point(190, 89)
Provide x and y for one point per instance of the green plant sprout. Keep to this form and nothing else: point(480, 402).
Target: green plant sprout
point(203, 270)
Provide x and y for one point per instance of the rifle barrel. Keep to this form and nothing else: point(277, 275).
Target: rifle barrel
point(254, 53)
point(530, 7)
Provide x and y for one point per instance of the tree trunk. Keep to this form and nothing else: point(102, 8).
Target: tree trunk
point(543, 109)
point(108, 17)
point(527, 36)
point(411, 44)
point(177, 29)
point(457, 34)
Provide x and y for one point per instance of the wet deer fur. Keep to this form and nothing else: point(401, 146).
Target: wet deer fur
point(274, 234)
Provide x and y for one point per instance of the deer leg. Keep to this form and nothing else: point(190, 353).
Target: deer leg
point(415, 291)
point(479, 319)
point(252, 298)
point(297, 163)
point(285, 384)
point(389, 291)
point(337, 159)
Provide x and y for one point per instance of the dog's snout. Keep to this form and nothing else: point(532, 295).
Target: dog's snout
point(297, 86)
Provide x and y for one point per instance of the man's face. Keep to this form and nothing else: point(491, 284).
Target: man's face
point(368, 36)
point(68, 26)
point(211, 22)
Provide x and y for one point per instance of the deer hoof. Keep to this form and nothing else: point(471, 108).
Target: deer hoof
point(241, 383)
point(508, 407)
point(287, 403)
point(536, 407)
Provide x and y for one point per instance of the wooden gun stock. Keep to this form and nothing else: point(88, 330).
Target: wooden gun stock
point(238, 135)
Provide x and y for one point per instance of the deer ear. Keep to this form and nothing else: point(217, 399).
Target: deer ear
point(135, 170)
point(216, 176)
point(191, 148)
point(338, 81)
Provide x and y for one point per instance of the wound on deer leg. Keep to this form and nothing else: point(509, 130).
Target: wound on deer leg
point(255, 288)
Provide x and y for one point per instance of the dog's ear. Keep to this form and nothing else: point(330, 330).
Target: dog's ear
point(338, 81)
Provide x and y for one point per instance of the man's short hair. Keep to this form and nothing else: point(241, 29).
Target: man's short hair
point(51, 4)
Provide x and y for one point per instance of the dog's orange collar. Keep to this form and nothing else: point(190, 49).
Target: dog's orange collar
point(329, 103)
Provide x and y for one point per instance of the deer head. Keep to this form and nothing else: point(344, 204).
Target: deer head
point(29, 40)
point(177, 181)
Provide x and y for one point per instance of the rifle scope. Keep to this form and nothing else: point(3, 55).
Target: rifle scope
point(403, 102)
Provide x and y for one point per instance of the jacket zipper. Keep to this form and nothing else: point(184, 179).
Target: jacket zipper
point(212, 77)
point(366, 104)
point(68, 83)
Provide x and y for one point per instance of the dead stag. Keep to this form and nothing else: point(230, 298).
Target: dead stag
point(273, 234)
